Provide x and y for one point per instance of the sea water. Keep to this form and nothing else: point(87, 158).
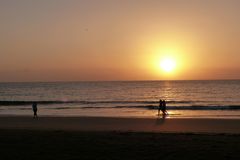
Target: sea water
point(201, 99)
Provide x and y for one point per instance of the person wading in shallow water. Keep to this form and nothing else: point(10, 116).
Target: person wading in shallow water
point(34, 108)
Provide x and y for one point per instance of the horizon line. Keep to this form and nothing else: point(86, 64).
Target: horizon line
point(74, 81)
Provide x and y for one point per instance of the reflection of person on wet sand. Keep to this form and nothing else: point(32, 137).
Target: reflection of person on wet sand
point(161, 120)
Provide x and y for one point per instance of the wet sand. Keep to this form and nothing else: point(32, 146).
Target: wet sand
point(231, 126)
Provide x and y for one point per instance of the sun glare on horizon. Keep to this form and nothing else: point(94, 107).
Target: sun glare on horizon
point(168, 65)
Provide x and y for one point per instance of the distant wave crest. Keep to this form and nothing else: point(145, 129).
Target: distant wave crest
point(181, 105)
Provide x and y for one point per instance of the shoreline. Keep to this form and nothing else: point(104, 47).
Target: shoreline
point(123, 124)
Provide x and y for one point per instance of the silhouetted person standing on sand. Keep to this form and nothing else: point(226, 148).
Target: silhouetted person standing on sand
point(160, 106)
point(34, 108)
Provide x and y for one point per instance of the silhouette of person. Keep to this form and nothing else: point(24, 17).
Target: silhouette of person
point(164, 107)
point(34, 108)
point(160, 106)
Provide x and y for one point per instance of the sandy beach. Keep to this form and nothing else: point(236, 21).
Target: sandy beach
point(23, 137)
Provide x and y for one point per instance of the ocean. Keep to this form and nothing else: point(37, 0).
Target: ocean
point(185, 99)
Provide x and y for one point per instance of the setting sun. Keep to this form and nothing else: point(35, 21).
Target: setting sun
point(167, 64)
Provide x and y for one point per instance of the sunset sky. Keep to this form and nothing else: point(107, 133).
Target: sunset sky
point(75, 40)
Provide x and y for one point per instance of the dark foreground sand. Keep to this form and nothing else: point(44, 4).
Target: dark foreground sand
point(118, 138)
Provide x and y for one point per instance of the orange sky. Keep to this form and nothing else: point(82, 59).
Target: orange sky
point(61, 40)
